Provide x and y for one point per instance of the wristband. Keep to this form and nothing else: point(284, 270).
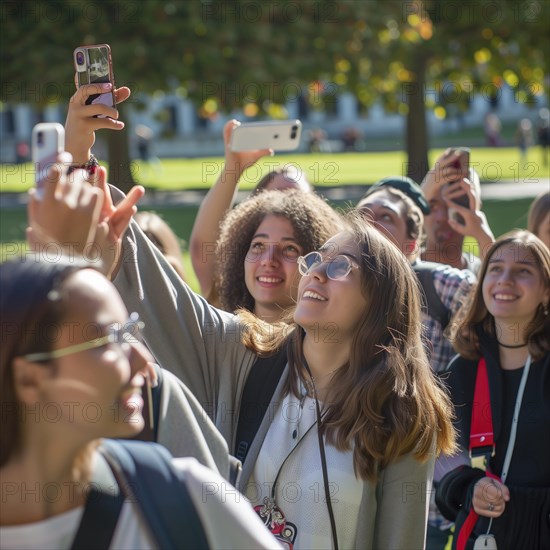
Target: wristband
point(90, 166)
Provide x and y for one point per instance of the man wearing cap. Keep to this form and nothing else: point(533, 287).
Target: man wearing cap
point(444, 234)
point(396, 206)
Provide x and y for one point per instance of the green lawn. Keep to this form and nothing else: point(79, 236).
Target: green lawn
point(331, 170)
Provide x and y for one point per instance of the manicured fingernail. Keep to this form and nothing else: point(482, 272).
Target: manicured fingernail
point(106, 85)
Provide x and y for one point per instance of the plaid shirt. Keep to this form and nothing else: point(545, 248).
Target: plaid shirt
point(453, 288)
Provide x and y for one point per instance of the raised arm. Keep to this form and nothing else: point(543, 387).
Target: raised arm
point(217, 202)
point(81, 123)
point(198, 343)
point(475, 222)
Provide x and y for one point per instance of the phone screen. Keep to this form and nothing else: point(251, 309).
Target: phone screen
point(93, 66)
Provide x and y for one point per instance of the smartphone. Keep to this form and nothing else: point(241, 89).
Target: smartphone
point(94, 65)
point(462, 167)
point(48, 140)
point(279, 135)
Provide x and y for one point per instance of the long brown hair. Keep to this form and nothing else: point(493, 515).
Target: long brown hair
point(385, 401)
point(464, 329)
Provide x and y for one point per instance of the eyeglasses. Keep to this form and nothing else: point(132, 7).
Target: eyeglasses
point(125, 334)
point(336, 268)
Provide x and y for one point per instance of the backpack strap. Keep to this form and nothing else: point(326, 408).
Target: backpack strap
point(103, 505)
point(433, 305)
point(99, 520)
point(147, 476)
point(257, 394)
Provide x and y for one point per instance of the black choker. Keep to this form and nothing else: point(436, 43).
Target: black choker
point(512, 347)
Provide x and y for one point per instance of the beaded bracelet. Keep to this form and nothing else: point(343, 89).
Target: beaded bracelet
point(89, 166)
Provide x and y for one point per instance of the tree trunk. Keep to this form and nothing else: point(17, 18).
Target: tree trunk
point(120, 164)
point(417, 130)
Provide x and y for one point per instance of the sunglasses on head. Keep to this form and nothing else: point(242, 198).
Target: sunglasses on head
point(336, 268)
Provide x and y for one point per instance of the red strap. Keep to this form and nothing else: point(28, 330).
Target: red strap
point(481, 429)
point(481, 435)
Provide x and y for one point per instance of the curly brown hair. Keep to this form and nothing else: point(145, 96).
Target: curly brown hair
point(312, 218)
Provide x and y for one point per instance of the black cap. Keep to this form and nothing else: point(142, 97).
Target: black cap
point(405, 185)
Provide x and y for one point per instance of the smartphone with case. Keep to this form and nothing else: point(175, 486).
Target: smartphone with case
point(279, 135)
point(48, 140)
point(462, 168)
point(94, 65)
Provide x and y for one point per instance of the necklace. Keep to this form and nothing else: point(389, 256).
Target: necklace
point(517, 346)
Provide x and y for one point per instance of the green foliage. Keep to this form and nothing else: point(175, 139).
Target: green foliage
point(261, 52)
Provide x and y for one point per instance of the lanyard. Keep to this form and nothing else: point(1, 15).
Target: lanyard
point(482, 436)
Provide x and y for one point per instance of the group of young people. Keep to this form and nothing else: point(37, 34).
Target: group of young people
point(325, 368)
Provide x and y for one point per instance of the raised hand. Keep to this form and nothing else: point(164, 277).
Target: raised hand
point(475, 222)
point(82, 122)
point(241, 160)
point(68, 212)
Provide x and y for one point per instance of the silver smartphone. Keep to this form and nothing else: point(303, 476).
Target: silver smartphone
point(48, 140)
point(279, 135)
point(94, 65)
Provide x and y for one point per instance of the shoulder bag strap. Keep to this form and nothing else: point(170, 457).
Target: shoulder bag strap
point(259, 388)
point(481, 428)
point(472, 518)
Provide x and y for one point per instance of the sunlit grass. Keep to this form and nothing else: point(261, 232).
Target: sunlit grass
point(493, 165)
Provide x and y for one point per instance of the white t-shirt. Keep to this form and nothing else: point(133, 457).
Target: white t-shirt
point(226, 516)
point(300, 492)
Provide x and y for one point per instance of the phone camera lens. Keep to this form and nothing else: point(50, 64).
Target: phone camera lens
point(294, 128)
point(40, 138)
point(293, 135)
point(80, 58)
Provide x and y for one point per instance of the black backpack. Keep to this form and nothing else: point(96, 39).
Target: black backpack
point(257, 394)
point(432, 304)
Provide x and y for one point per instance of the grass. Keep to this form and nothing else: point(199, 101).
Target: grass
point(334, 169)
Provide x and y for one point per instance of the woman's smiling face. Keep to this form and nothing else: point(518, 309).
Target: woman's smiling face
point(513, 286)
point(270, 268)
point(334, 306)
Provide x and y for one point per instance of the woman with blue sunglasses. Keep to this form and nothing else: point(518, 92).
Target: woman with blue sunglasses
point(344, 451)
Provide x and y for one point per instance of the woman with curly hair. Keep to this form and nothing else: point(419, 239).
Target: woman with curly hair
point(220, 198)
point(260, 241)
point(505, 333)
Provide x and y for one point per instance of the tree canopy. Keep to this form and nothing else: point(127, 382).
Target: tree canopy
point(223, 54)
